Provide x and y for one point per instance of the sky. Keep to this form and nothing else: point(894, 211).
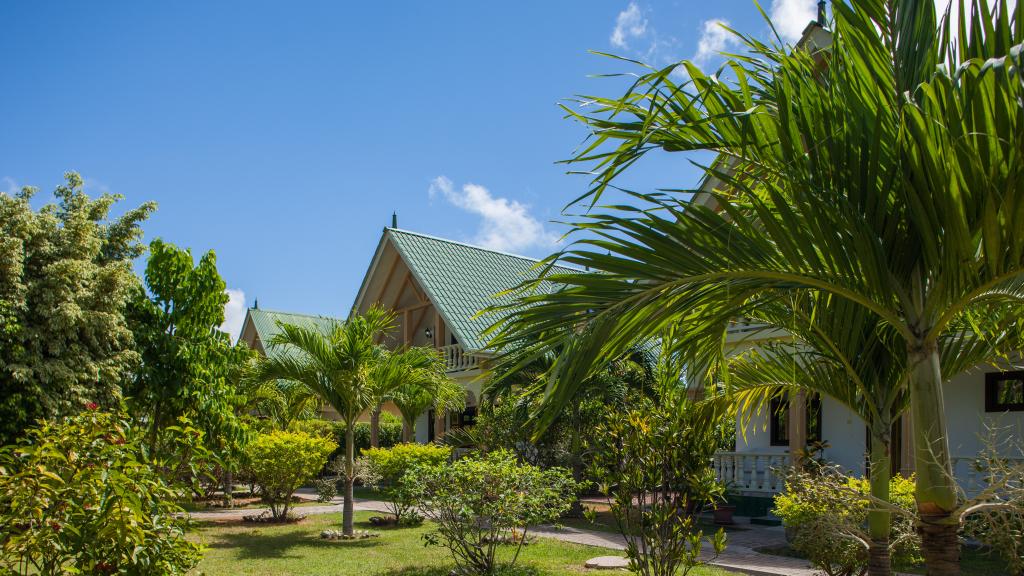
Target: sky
point(283, 135)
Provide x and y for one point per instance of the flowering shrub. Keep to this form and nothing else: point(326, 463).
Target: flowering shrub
point(385, 469)
point(281, 462)
point(480, 503)
point(81, 497)
point(825, 514)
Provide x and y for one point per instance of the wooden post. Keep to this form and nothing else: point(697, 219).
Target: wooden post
point(797, 426)
point(438, 425)
point(406, 329)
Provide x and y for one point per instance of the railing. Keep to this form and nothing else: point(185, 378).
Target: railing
point(971, 475)
point(751, 471)
point(457, 359)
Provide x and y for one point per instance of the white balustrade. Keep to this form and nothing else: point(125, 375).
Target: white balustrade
point(457, 359)
point(751, 471)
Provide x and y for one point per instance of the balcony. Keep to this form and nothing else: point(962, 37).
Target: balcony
point(457, 359)
point(751, 471)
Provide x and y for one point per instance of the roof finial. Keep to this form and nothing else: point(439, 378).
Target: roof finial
point(394, 219)
point(255, 303)
point(821, 13)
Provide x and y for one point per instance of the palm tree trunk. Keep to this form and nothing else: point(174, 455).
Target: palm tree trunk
point(406, 430)
point(350, 464)
point(375, 427)
point(936, 490)
point(880, 520)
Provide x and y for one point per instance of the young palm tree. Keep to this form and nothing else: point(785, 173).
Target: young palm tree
point(419, 382)
point(342, 368)
point(892, 178)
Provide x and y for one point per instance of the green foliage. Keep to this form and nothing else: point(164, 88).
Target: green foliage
point(326, 489)
point(281, 462)
point(386, 469)
point(653, 462)
point(65, 279)
point(390, 432)
point(421, 382)
point(478, 503)
point(81, 496)
point(826, 515)
point(186, 360)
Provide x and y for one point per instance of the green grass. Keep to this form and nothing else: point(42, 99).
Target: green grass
point(297, 549)
point(973, 562)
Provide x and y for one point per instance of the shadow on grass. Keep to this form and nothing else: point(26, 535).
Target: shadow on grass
point(257, 544)
point(517, 570)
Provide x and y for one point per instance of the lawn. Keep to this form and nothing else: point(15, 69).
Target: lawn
point(296, 549)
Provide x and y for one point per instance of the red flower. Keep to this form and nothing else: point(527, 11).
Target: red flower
point(92, 405)
point(55, 526)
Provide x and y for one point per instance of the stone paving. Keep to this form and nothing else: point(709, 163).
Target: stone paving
point(739, 555)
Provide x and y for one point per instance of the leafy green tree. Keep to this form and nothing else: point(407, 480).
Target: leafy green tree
point(420, 382)
point(386, 470)
point(83, 496)
point(341, 367)
point(186, 360)
point(890, 177)
point(281, 462)
point(65, 279)
point(476, 504)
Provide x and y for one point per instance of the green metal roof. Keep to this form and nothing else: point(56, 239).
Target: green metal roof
point(461, 279)
point(265, 322)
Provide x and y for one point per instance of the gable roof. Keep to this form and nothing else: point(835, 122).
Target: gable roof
point(265, 323)
point(462, 279)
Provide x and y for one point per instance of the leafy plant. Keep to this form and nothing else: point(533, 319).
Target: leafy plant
point(81, 496)
point(281, 462)
point(326, 489)
point(65, 281)
point(386, 470)
point(826, 519)
point(477, 504)
point(653, 463)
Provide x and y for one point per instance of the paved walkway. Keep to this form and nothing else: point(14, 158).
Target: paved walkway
point(739, 554)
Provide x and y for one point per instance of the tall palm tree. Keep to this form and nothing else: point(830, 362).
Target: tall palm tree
point(420, 382)
point(342, 367)
point(892, 178)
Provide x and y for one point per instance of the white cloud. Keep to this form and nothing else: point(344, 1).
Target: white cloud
point(630, 24)
point(954, 14)
point(234, 313)
point(790, 17)
point(506, 224)
point(9, 186)
point(714, 38)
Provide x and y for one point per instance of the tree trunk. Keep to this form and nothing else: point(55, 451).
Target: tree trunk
point(407, 430)
point(350, 464)
point(375, 427)
point(880, 520)
point(229, 488)
point(936, 490)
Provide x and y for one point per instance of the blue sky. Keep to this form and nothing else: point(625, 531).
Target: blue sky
point(283, 135)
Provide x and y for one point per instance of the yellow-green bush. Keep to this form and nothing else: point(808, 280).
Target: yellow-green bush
point(385, 470)
point(281, 462)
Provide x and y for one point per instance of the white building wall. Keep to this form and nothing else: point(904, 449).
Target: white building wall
point(966, 421)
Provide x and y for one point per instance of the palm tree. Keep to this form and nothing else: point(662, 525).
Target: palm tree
point(419, 382)
point(891, 178)
point(339, 367)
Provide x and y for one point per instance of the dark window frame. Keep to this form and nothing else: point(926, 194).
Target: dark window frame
point(992, 380)
point(778, 414)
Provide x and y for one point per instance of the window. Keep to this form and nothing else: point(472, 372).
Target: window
point(779, 424)
point(464, 418)
point(430, 426)
point(1004, 391)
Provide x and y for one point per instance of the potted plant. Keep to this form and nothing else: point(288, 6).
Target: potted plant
point(723, 510)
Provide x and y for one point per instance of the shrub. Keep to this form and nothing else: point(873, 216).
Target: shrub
point(479, 503)
point(385, 470)
point(825, 514)
point(652, 461)
point(326, 489)
point(81, 497)
point(281, 462)
point(390, 432)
